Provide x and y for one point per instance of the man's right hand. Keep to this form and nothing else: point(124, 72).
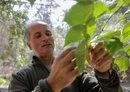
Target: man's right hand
point(63, 71)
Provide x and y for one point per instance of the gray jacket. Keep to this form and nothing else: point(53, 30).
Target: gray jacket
point(33, 78)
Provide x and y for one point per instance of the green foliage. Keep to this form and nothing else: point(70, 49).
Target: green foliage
point(75, 32)
point(80, 54)
point(113, 45)
point(109, 35)
point(126, 33)
point(83, 18)
point(127, 49)
point(78, 14)
point(12, 28)
point(31, 2)
point(126, 1)
point(90, 26)
point(2, 81)
point(114, 7)
point(99, 9)
point(123, 63)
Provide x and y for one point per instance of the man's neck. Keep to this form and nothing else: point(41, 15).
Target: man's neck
point(47, 61)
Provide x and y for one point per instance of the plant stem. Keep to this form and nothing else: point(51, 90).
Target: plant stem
point(103, 27)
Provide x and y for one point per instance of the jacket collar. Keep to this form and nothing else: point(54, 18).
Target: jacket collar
point(37, 62)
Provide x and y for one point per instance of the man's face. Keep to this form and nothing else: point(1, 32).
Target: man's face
point(40, 40)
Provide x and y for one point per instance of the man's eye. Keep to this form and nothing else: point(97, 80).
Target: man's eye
point(48, 34)
point(37, 35)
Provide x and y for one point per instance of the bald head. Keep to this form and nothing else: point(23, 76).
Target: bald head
point(32, 24)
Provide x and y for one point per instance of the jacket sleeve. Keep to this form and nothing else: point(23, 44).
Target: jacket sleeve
point(109, 83)
point(101, 83)
point(43, 86)
point(19, 83)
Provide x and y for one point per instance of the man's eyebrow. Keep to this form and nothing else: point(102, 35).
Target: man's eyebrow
point(48, 30)
point(36, 33)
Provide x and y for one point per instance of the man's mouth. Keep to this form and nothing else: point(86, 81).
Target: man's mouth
point(46, 45)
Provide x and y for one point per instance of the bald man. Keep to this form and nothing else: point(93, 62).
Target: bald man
point(49, 74)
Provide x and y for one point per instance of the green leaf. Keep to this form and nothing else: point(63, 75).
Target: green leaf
point(113, 45)
point(86, 1)
point(126, 33)
point(126, 1)
point(2, 80)
point(115, 6)
point(123, 17)
point(83, 0)
point(91, 25)
point(31, 2)
point(99, 9)
point(79, 14)
point(127, 49)
point(109, 35)
point(80, 55)
point(123, 63)
point(127, 14)
point(74, 34)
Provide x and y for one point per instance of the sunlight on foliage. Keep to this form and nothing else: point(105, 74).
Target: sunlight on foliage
point(123, 63)
point(87, 13)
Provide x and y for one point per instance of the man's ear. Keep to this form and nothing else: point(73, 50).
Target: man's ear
point(29, 46)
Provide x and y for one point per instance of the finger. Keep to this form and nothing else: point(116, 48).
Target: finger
point(90, 58)
point(105, 66)
point(108, 63)
point(98, 47)
point(69, 57)
point(70, 67)
point(90, 48)
point(65, 52)
point(90, 53)
point(104, 59)
point(99, 55)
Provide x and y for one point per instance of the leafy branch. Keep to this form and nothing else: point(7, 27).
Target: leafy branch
point(83, 25)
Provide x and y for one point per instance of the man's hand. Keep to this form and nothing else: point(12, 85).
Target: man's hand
point(99, 58)
point(63, 71)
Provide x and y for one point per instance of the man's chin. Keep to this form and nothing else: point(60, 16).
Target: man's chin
point(46, 51)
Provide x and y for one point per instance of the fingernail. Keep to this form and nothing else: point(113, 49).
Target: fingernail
point(73, 59)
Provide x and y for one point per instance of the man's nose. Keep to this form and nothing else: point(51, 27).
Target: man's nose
point(44, 37)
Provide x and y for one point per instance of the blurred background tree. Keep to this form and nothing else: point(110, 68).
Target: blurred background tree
point(12, 47)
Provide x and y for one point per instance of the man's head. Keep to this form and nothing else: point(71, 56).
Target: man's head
point(39, 39)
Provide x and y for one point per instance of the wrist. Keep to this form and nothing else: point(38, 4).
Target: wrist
point(103, 75)
point(53, 85)
point(43, 85)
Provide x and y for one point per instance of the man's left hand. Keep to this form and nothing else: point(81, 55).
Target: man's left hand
point(99, 58)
